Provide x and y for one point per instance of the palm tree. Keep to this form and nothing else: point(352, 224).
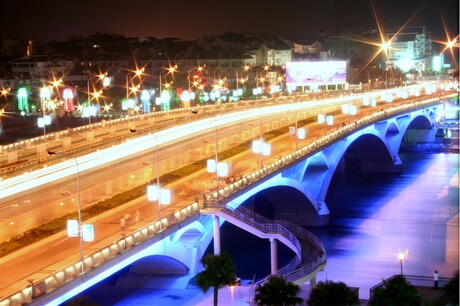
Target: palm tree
point(396, 291)
point(332, 293)
point(219, 271)
point(276, 291)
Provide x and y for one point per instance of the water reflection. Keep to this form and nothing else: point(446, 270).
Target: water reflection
point(415, 212)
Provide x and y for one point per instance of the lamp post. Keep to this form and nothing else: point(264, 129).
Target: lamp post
point(221, 169)
point(326, 120)
point(401, 257)
point(154, 192)
point(385, 46)
point(199, 69)
point(45, 95)
point(79, 221)
point(171, 69)
point(260, 146)
point(264, 68)
point(96, 93)
point(245, 68)
point(137, 73)
point(80, 225)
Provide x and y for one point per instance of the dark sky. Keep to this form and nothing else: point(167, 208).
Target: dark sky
point(189, 19)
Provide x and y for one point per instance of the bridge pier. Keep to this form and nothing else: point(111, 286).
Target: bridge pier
point(313, 282)
point(216, 229)
point(273, 255)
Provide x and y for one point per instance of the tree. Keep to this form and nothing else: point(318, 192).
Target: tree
point(332, 293)
point(276, 291)
point(396, 291)
point(219, 271)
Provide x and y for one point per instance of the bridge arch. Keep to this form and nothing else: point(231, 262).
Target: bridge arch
point(374, 149)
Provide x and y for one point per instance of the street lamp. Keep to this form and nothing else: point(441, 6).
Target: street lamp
point(213, 165)
point(45, 95)
point(137, 73)
point(262, 79)
point(75, 229)
point(4, 92)
point(155, 192)
point(326, 120)
point(171, 70)
point(96, 93)
point(245, 68)
point(199, 69)
point(259, 146)
point(298, 133)
point(401, 257)
point(385, 46)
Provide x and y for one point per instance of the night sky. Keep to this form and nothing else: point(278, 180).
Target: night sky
point(186, 19)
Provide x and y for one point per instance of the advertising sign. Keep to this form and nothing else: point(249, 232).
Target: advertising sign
point(316, 73)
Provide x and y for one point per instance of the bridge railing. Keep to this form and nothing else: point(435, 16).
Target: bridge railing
point(263, 225)
point(313, 253)
point(258, 222)
point(68, 273)
point(310, 248)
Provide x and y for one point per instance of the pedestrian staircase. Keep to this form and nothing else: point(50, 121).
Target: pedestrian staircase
point(310, 254)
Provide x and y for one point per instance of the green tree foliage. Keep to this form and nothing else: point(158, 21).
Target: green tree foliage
point(219, 271)
point(276, 291)
point(396, 291)
point(332, 293)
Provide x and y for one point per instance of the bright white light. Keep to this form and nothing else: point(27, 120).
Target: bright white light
point(222, 169)
point(47, 119)
point(329, 120)
point(41, 122)
point(106, 81)
point(321, 118)
point(72, 228)
point(45, 93)
point(366, 101)
point(301, 133)
point(353, 110)
point(164, 194)
point(67, 94)
point(185, 96)
point(145, 95)
point(152, 193)
point(389, 98)
point(211, 165)
point(266, 149)
point(257, 146)
point(165, 97)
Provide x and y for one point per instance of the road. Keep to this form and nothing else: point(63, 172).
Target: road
point(40, 204)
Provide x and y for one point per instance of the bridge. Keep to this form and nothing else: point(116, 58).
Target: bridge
point(306, 170)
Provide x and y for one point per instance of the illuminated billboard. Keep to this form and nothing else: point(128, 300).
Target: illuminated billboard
point(316, 73)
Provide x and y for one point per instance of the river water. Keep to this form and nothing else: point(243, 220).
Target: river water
point(373, 219)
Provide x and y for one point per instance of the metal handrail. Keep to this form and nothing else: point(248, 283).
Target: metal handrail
point(290, 272)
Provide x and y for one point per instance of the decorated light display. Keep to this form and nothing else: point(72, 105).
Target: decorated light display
point(68, 100)
point(145, 99)
point(23, 104)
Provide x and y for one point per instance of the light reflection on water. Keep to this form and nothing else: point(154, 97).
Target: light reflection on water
point(415, 212)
